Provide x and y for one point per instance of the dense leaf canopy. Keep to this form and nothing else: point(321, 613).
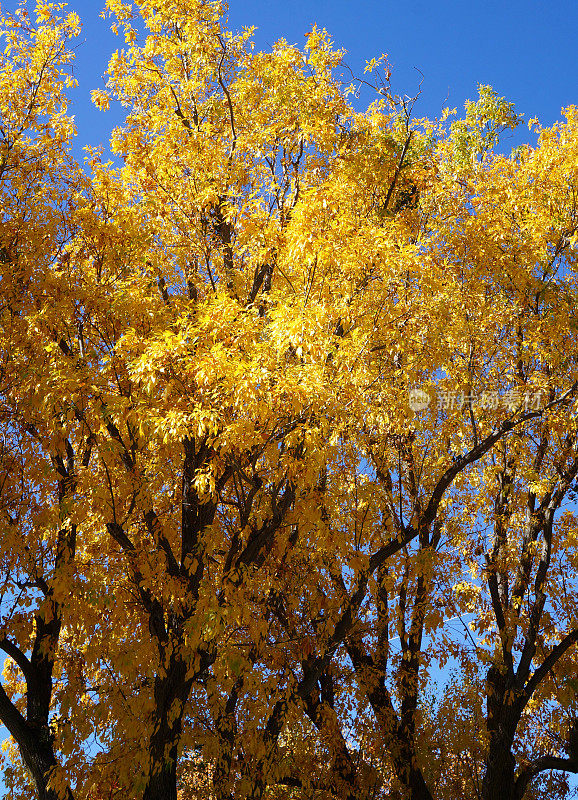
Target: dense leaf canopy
point(288, 425)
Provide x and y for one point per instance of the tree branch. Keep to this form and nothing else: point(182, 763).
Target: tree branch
point(541, 765)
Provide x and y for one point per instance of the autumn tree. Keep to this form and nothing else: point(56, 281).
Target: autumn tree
point(282, 396)
point(38, 465)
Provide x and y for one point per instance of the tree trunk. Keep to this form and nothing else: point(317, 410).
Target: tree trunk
point(171, 692)
point(162, 782)
point(499, 780)
point(32, 732)
point(417, 786)
point(502, 720)
point(38, 756)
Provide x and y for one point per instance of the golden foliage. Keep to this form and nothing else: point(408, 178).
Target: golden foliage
point(283, 397)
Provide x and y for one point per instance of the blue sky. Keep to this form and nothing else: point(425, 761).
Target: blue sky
point(525, 49)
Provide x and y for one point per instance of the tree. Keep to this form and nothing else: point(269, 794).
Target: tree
point(293, 383)
point(39, 471)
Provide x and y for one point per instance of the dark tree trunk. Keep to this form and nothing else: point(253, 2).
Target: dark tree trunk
point(38, 756)
point(162, 783)
point(32, 732)
point(417, 786)
point(172, 688)
point(499, 780)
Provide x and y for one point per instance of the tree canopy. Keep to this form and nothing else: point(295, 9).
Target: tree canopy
point(288, 425)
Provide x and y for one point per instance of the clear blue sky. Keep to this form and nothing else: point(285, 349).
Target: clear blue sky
point(526, 49)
